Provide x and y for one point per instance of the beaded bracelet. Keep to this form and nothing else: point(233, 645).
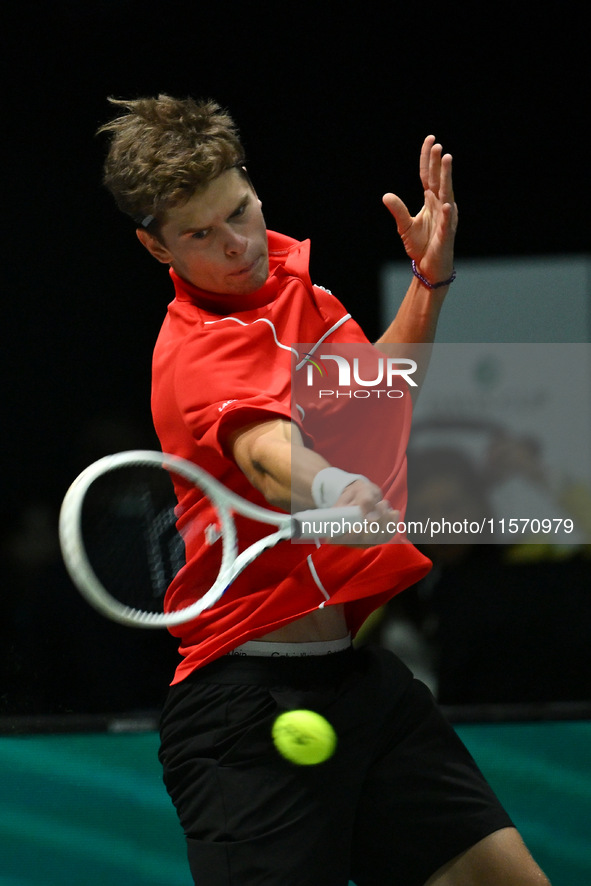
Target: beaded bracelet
point(426, 282)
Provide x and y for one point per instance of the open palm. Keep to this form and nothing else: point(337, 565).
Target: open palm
point(428, 237)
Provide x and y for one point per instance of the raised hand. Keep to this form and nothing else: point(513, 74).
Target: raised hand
point(428, 237)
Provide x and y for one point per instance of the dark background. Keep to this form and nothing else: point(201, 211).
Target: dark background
point(333, 101)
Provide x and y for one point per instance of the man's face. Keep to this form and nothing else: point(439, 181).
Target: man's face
point(217, 240)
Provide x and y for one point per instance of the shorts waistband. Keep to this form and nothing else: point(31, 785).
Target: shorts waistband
point(275, 650)
point(274, 671)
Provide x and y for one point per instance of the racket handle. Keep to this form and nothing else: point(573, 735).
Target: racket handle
point(322, 522)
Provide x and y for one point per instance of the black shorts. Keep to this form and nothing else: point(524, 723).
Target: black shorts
point(400, 797)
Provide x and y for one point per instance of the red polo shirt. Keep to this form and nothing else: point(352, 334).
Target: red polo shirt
point(222, 362)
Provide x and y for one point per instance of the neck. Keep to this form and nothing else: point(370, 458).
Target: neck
point(225, 303)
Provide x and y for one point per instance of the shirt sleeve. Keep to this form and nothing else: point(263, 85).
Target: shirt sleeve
point(230, 375)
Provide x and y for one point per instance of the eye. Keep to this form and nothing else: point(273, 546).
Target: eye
point(200, 235)
point(240, 211)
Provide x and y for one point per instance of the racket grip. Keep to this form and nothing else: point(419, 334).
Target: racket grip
point(322, 522)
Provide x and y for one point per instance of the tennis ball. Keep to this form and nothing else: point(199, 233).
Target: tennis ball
point(304, 737)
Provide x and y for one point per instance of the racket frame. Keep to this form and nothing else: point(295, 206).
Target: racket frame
point(227, 502)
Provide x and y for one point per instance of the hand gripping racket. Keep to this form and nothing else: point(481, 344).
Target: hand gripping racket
point(126, 540)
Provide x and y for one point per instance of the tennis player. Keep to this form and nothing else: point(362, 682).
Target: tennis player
point(400, 800)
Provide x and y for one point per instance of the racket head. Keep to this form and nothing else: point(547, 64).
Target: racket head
point(124, 538)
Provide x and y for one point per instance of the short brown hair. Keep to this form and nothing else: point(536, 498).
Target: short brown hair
point(163, 150)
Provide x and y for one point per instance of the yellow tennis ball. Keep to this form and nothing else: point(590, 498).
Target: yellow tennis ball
point(304, 737)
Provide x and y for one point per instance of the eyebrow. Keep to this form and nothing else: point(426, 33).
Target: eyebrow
point(242, 202)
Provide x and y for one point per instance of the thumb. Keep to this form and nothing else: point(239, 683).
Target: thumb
point(399, 211)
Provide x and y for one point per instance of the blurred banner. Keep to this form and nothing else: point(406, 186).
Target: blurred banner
point(501, 437)
point(537, 299)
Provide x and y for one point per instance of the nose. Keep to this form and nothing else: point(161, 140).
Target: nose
point(235, 244)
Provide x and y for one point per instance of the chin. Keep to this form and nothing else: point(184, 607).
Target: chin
point(256, 281)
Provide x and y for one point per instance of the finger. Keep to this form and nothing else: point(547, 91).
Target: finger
point(399, 211)
point(446, 191)
point(383, 514)
point(434, 178)
point(424, 161)
point(449, 219)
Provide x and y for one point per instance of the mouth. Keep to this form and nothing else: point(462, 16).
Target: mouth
point(246, 269)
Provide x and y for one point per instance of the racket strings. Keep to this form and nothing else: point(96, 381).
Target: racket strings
point(151, 540)
point(129, 523)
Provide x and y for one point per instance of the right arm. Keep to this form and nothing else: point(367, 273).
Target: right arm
point(275, 460)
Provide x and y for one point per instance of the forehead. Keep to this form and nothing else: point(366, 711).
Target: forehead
point(212, 205)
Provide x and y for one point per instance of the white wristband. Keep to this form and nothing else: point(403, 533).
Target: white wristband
point(329, 483)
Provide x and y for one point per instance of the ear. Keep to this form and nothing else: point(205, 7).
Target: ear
point(154, 246)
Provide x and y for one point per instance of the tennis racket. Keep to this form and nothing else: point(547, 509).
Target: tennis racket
point(142, 559)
